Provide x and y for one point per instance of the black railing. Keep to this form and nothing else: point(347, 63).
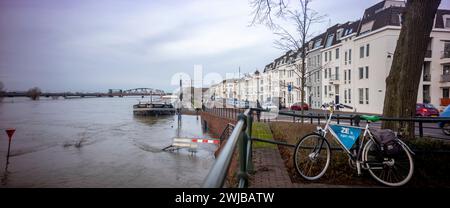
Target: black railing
point(354, 120)
point(241, 138)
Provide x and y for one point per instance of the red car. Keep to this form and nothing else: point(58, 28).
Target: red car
point(426, 110)
point(299, 106)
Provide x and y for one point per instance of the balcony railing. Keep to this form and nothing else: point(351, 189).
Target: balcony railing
point(445, 78)
point(334, 79)
point(445, 54)
point(427, 77)
point(428, 54)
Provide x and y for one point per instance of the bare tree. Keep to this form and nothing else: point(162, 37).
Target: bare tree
point(402, 84)
point(301, 17)
point(34, 93)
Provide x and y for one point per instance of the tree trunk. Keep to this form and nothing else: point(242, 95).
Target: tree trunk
point(402, 84)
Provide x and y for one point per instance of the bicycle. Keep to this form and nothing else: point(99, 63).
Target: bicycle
point(389, 161)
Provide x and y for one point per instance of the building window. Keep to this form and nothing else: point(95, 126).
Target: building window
point(325, 74)
point(336, 71)
point(349, 76)
point(446, 70)
point(326, 57)
point(447, 22)
point(367, 95)
point(361, 72)
point(361, 95)
point(367, 72)
point(329, 55)
point(349, 56)
point(337, 53)
point(367, 50)
point(329, 40)
point(349, 95)
point(361, 52)
point(345, 96)
point(445, 92)
point(317, 43)
point(326, 93)
point(345, 76)
point(345, 57)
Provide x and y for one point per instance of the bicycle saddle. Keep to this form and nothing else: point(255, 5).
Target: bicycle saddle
point(370, 118)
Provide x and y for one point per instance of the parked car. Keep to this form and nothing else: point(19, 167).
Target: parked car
point(269, 106)
point(426, 110)
point(445, 126)
point(299, 106)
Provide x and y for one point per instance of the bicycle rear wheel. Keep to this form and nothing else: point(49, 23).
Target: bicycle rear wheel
point(312, 156)
point(394, 170)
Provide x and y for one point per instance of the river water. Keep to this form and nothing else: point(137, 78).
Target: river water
point(97, 142)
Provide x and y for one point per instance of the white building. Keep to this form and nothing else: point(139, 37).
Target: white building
point(349, 63)
point(355, 59)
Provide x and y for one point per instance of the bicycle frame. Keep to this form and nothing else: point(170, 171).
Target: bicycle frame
point(356, 156)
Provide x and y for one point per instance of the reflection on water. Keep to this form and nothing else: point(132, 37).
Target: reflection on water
point(97, 142)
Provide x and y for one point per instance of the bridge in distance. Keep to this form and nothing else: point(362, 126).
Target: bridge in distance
point(110, 93)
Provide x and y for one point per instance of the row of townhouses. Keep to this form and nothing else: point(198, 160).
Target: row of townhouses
point(348, 63)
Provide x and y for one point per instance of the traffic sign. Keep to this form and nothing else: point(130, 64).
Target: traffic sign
point(10, 132)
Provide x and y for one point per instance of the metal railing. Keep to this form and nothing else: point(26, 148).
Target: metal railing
point(229, 113)
point(445, 54)
point(354, 120)
point(241, 138)
point(238, 138)
point(445, 78)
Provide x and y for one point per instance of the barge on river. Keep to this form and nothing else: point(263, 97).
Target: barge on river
point(163, 107)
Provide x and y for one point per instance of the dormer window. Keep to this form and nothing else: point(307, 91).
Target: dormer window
point(447, 22)
point(367, 27)
point(339, 34)
point(317, 43)
point(329, 40)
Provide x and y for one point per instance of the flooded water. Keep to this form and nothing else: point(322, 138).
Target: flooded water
point(97, 142)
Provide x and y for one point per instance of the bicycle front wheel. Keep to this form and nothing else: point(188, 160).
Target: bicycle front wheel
point(391, 170)
point(312, 156)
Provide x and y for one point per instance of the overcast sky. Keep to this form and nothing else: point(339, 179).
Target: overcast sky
point(67, 45)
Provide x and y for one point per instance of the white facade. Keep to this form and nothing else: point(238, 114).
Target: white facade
point(349, 64)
